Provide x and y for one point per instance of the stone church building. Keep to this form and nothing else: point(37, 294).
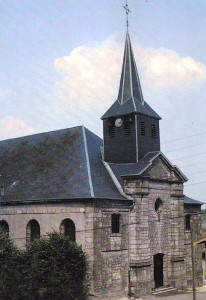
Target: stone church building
point(120, 197)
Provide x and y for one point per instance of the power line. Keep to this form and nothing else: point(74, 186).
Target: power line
point(186, 147)
point(200, 172)
point(183, 138)
point(183, 157)
point(195, 183)
point(200, 163)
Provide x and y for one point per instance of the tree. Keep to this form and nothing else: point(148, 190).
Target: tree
point(54, 268)
point(10, 276)
point(49, 268)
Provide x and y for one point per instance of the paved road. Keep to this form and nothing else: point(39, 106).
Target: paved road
point(185, 296)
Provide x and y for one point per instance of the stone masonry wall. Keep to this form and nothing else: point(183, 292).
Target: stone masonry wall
point(155, 232)
point(123, 262)
point(110, 249)
point(107, 252)
point(140, 256)
point(49, 217)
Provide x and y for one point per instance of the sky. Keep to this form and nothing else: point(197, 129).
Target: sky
point(61, 63)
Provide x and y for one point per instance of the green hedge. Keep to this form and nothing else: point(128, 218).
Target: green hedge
point(49, 268)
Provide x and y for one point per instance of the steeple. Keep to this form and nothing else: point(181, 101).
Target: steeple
point(131, 126)
point(129, 83)
point(130, 98)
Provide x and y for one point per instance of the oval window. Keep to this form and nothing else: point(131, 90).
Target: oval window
point(158, 207)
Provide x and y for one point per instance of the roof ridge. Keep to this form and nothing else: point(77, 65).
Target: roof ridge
point(116, 181)
point(88, 162)
point(89, 131)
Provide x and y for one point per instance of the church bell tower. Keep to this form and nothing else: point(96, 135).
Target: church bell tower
point(130, 126)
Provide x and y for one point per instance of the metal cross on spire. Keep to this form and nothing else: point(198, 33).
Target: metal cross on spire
point(127, 10)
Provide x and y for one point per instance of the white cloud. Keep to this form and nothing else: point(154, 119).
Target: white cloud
point(11, 127)
point(166, 69)
point(91, 74)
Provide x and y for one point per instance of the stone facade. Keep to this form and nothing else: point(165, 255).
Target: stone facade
point(124, 262)
point(156, 233)
point(49, 217)
point(110, 249)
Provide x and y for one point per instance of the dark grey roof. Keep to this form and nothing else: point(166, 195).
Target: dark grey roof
point(130, 99)
point(129, 107)
point(129, 82)
point(137, 169)
point(188, 200)
point(131, 169)
point(63, 164)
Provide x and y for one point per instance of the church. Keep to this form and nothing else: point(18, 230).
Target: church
point(120, 197)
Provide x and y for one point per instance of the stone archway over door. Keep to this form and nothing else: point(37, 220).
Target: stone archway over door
point(158, 270)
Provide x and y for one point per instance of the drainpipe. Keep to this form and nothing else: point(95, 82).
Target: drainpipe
point(129, 281)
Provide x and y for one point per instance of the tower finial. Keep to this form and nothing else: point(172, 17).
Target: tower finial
point(127, 10)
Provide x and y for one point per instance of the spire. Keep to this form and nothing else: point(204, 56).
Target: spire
point(129, 83)
point(130, 99)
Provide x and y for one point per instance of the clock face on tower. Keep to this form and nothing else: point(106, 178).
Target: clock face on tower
point(118, 122)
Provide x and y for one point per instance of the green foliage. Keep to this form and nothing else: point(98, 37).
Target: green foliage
point(10, 277)
point(51, 268)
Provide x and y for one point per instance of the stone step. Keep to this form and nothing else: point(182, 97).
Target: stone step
point(163, 290)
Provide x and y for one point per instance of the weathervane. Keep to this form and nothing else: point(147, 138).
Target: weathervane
point(127, 10)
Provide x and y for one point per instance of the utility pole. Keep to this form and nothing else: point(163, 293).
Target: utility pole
point(193, 266)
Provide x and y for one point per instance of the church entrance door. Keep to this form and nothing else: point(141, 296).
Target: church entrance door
point(158, 270)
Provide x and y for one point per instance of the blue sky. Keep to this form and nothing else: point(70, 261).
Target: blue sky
point(48, 46)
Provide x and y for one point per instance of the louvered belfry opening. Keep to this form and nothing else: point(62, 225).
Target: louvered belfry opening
point(142, 128)
point(153, 131)
point(127, 128)
point(111, 131)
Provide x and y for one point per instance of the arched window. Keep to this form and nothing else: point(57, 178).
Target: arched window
point(187, 222)
point(67, 228)
point(32, 231)
point(159, 208)
point(4, 226)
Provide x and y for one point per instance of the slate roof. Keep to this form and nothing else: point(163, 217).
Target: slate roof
point(63, 164)
point(129, 83)
point(131, 106)
point(130, 98)
point(188, 200)
point(132, 169)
